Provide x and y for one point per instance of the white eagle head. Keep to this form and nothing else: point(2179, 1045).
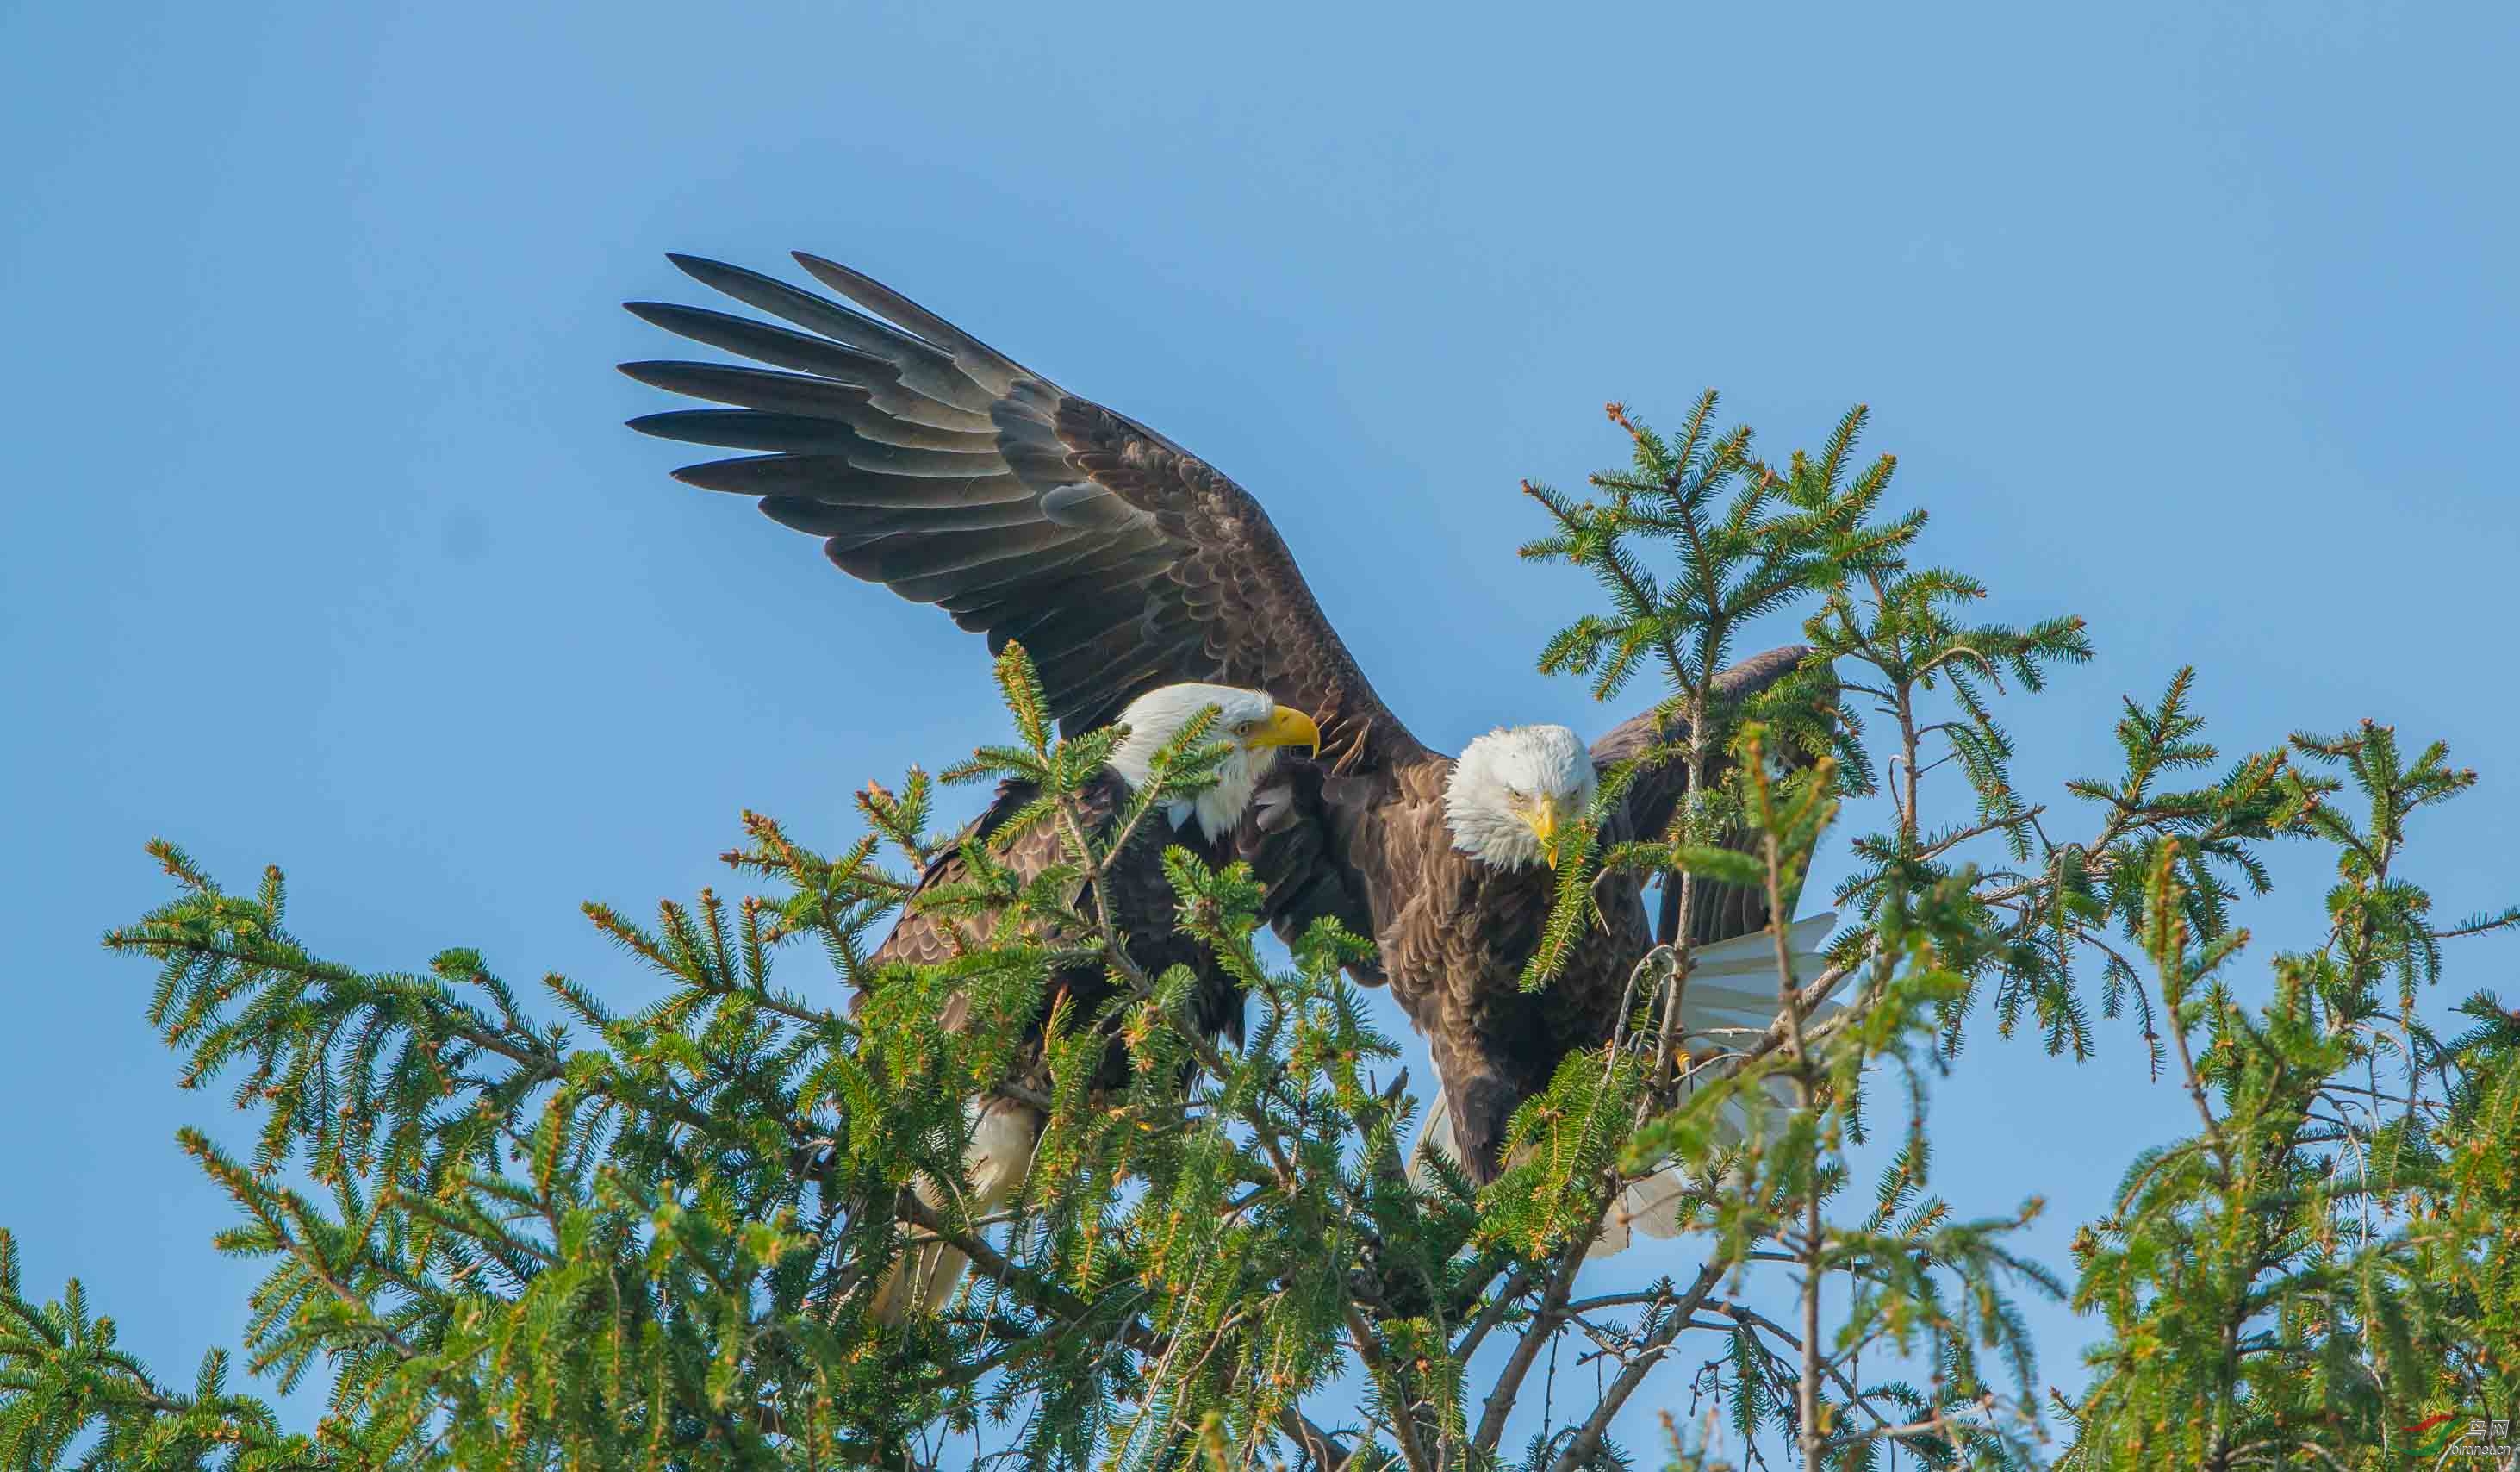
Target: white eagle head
point(1512, 789)
point(1251, 725)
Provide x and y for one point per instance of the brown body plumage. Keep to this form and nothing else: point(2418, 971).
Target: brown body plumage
point(1453, 936)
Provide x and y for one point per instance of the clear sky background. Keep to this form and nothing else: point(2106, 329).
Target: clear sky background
point(323, 544)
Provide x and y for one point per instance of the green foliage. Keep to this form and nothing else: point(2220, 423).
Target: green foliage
point(1921, 1286)
point(1735, 538)
point(68, 1398)
point(2327, 1266)
point(647, 1239)
point(519, 1227)
point(1745, 540)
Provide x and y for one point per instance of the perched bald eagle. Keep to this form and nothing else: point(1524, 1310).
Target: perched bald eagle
point(933, 464)
point(1253, 729)
point(1460, 906)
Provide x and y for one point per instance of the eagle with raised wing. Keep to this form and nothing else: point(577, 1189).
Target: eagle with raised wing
point(933, 464)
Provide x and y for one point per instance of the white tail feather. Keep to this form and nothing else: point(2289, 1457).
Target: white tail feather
point(1732, 996)
point(995, 1163)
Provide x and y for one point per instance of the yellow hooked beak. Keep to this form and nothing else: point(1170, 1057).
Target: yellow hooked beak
point(1542, 815)
point(1286, 726)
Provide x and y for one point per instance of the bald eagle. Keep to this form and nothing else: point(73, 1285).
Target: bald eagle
point(935, 465)
point(1004, 1127)
point(1454, 861)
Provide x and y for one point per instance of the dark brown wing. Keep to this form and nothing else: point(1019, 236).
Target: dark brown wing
point(938, 467)
point(1717, 911)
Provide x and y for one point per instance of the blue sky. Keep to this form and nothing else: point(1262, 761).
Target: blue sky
point(325, 545)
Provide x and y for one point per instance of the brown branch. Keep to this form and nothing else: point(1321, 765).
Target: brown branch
point(1046, 1296)
point(1526, 1351)
point(1298, 1428)
point(1633, 1375)
point(1404, 1425)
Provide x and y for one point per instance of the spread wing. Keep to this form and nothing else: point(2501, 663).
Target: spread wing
point(933, 464)
point(1717, 911)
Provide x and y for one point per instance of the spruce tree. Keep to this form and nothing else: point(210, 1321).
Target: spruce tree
point(528, 1228)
